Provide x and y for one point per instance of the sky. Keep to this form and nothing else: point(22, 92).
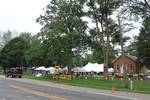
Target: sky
point(21, 15)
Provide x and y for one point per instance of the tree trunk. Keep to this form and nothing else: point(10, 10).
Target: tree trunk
point(105, 65)
point(123, 55)
point(104, 44)
point(107, 49)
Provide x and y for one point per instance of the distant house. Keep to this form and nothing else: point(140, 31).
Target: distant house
point(131, 63)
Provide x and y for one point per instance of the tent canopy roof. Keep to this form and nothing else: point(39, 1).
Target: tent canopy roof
point(95, 67)
point(78, 69)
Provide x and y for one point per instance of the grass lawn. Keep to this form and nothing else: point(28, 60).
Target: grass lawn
point(141, 86)
point(138, 86)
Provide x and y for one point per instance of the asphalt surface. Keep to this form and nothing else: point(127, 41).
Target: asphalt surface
point(24, 89)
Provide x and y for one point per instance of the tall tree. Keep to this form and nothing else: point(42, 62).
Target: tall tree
point(63, 29)
point(12, 55)
point(35, 54)
point(5, 37)
point(141, 8)
point(143, 43)
point(100, 11)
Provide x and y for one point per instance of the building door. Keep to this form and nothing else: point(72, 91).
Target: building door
point(121, 69)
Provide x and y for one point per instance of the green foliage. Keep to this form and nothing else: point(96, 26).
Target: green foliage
point(65, 38)
point(96, 47)
point(12, 55)
point(35, 54)
point(4, 38)
point(143, 43)
point(132, 48)
point(63, 31)
point(65, 34)
point(139, 8)
point(106, 30)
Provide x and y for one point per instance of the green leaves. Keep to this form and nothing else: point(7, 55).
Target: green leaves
point(139, 7)
point(65, 37)
point(63, 30)
point(143, 43)
point(12, 55)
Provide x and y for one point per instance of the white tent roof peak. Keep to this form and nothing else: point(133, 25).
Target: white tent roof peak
point(78, 69)
point(94, 67)
point(50, 68)
point(41, 68)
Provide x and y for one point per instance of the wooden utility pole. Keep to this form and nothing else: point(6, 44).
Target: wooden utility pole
point(123, 54)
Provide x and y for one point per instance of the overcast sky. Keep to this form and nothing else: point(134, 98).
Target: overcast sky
point(20, 15)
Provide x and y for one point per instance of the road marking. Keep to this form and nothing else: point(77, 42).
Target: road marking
point(100, 93)
point(118, 96)
point(90, 92)
point(50, 96)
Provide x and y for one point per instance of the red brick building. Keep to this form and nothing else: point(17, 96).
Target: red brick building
point(130, 62)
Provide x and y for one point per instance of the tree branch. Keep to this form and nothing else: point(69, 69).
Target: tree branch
point(147, 4)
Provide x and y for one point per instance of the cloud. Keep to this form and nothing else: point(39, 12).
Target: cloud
point(20, 15)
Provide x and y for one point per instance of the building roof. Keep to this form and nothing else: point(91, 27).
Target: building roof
point(132, 57)
point(129, 56)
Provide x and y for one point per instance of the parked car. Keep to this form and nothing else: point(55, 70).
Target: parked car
point(14, 72)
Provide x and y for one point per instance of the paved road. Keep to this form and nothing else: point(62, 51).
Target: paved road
point(23, 89)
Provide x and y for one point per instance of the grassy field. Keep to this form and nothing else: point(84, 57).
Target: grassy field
point(138, 86)
point(141, 86)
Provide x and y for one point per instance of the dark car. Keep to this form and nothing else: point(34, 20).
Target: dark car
point(14, 72)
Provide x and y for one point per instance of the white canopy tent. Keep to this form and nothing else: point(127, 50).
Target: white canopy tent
point(78, 69)
point(95, 67)
point(40, 71)
point(111, 70)
point(50, 68)
point(42, 68)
